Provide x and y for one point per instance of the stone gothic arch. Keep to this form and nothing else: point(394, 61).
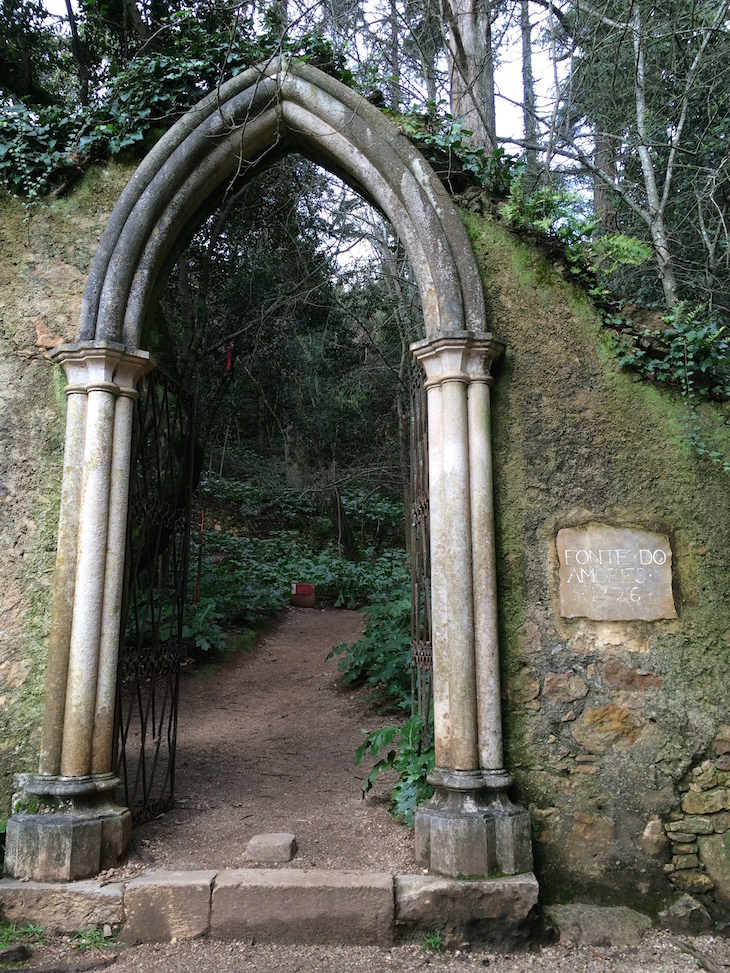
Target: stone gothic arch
point(470, 828)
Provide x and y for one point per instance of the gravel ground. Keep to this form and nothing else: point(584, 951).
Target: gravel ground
point(658, 953)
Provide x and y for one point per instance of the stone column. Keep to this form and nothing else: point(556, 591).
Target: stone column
point(469, 828)
point(65, 824)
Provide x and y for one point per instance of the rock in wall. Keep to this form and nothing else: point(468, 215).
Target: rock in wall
point(45, 253)
point(604, 720)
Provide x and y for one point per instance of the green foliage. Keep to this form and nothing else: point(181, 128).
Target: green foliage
point(202, 626)
point(559, 215)
point(243, 579)
point(381, 658)
point(442, 135)
point(43, 143)
point(555, 213)
point(372, 513)
point(433, 941)
point(614, 250)
point(89, 939)
point(32, 149)
point(407, 757)
point(11, 935)
point(691, 354)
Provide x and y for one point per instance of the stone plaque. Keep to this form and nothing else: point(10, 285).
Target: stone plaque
point(615, 574)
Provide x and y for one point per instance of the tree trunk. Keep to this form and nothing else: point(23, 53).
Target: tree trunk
point(657, 226)
point(603, 198)
point(528, 88)
point(79, 55)
point(394, 58)
point(468, 26)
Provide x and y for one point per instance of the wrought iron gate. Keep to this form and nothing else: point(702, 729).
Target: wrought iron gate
point(156, 571)
point(421, 649)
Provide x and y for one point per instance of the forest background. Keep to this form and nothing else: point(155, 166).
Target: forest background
point(292, 310)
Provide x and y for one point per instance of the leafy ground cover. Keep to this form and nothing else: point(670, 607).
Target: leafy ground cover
point(243, 580)
point(382, 659)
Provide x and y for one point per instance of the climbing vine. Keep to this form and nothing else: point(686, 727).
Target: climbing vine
point(691, 354)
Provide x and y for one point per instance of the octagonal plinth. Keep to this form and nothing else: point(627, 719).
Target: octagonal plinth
point(64, 829)
point(471, 829)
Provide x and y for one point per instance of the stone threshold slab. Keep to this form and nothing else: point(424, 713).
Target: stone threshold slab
point(307, 906)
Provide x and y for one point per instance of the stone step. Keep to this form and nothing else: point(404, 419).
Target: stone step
point(284, 905)
point(272, 905)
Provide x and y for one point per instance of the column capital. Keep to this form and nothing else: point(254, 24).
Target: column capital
point(461, 356)
point(104, 365)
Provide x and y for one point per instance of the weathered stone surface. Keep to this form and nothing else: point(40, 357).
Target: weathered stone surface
point(493, 910)
point(723, 762)
point(606, 727)
point(528, 636)
point(60, 909)
point(687, 915)
point(588, 834)
point(721, 821)
point(686, 861)
point(684, 848)
point(618, 675)
point(470, 834)
point(297, 906)
point(692, 881)
point(714, 851)
point(591, 925)
point(73, 833)
point(424, 899)
point(705, 802)
point(14, 673)
point(161, 906)
point(692, 824)
point(653, 839)
point(706, 779)
point(564, 687)
point(721, 743)
point(613, 574)
point(522, 687)
point(277, 847)
point(680, 836)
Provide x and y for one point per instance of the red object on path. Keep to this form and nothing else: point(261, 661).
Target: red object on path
point(302, 595)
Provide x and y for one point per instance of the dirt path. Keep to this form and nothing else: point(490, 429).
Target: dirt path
point(266, 744)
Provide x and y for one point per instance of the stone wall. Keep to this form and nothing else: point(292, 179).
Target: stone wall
point(44, 257)
point(616, 731)
point(699, 830)
point(604, 720)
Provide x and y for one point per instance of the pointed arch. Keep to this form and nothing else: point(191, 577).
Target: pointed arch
point(470, 827)
point(244, 126)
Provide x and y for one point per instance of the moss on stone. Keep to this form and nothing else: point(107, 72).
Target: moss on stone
point(45, 251)
point(577, 439)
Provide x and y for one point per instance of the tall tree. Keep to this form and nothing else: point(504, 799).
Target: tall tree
point(639, 111)
point(468, 35)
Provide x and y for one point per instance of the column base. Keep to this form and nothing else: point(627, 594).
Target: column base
point(65, 828)
point(470, 828)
